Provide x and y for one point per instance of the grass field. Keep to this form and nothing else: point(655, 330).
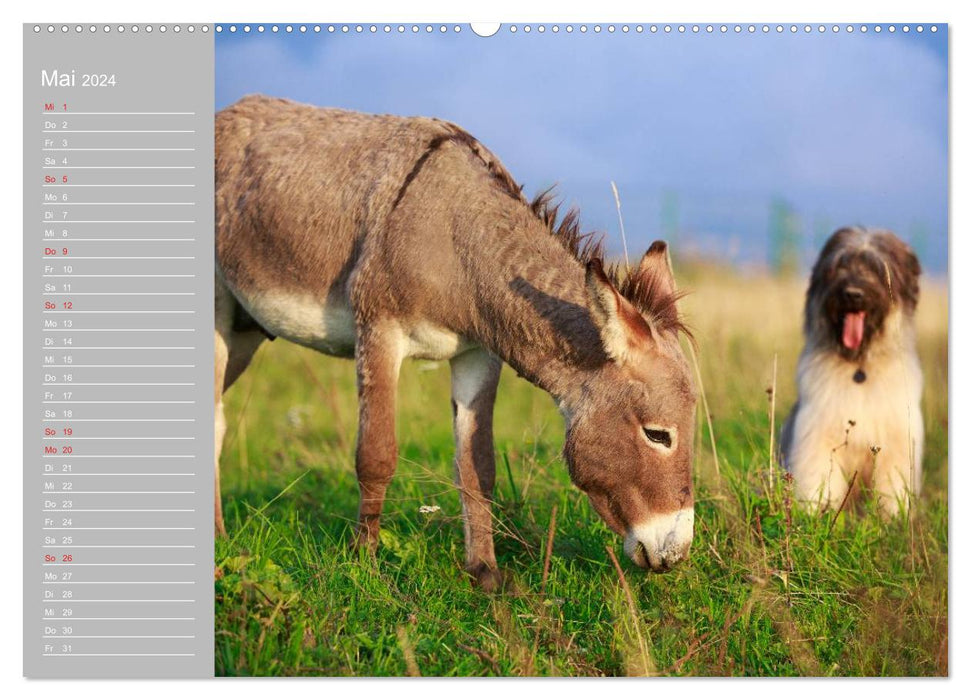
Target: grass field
point(768, 590)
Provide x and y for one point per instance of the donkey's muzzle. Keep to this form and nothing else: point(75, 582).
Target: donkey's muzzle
point(662, 541)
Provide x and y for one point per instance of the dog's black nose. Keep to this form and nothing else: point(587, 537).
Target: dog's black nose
point(853, 295)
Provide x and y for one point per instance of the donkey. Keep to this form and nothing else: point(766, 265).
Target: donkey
point(378, 238)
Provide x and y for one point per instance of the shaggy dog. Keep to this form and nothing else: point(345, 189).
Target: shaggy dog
point(857, 415)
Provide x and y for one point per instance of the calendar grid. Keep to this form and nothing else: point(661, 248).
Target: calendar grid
point(118, 354)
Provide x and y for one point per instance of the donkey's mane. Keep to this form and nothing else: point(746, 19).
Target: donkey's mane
point(585, 247)
point(648, 296)
point(644, 291)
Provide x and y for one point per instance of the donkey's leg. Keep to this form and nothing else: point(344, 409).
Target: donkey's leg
point(475, 375)
point(378, 356)
point(225, 307)
point(222, 359)
point(242, 347)
point(233, 352)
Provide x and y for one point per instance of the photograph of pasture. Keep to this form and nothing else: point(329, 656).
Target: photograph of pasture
point(582, 350)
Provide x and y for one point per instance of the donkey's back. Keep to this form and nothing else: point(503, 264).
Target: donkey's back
point(301, 194)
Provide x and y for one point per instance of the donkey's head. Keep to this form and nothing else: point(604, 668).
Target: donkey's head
point(630, 433)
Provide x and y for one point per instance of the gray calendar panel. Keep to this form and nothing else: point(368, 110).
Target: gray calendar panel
point(118, 246)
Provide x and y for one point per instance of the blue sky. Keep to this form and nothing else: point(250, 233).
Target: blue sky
point(701, 133)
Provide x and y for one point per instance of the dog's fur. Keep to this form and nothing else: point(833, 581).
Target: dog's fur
point(859, 386)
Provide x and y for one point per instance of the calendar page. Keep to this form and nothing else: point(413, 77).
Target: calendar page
point(453, 350)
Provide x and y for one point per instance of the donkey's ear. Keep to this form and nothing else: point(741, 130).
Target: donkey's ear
point(619, 323)
point(656, 265)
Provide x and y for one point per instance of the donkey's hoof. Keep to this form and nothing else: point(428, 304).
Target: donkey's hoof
point(363, 542)
point(487, 578)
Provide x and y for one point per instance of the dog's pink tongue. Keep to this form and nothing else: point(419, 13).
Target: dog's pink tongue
point(853, 329)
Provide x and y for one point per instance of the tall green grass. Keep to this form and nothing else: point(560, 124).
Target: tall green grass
point(768, 589)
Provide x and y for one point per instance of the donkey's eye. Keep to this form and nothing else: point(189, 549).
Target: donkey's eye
point(661, 437)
